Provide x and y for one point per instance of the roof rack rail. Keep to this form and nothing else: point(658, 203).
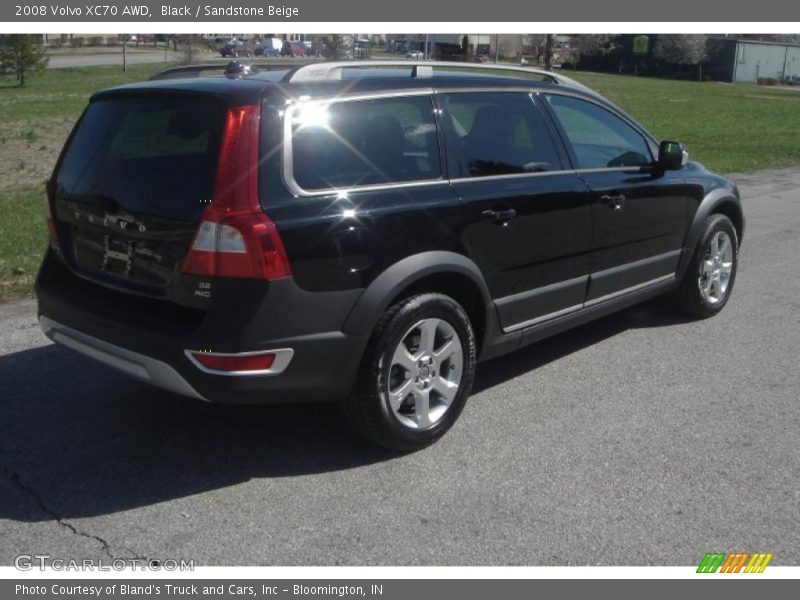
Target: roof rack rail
point(327, 71)
point(198, 70)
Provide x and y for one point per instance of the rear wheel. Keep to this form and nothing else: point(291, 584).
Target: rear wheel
point(709, 279)
point(416, 374)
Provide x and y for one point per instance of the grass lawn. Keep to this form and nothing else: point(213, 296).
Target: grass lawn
point(728, 128)
point(34, 121)
point(23, 238)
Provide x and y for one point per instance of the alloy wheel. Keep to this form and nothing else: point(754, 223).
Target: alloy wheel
point(425, 373)
point(716, 268)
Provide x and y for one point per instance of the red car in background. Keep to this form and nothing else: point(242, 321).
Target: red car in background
point(293, 49)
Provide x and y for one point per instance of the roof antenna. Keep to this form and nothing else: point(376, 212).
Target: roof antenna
point(237, 70)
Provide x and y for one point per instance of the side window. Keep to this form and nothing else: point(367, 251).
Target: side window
point(599, 138)
point(497, 133)
point(365, 142)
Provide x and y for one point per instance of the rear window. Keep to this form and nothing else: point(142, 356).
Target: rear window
point(364, 142)
point(153, 155)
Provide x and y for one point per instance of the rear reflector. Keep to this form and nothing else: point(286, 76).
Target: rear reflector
point(234, 363)
point(235, 237)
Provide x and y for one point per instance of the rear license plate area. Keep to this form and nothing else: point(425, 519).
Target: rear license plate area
point(104, 252)
point(117, 256)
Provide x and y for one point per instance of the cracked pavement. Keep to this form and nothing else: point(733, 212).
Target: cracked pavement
point(642, 438)
point(14, 478)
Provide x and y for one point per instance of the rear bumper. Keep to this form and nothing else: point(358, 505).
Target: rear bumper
point(145, 368)
point(148, 339)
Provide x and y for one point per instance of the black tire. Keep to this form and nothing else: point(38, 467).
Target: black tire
point(368, 410)
point(689, 298)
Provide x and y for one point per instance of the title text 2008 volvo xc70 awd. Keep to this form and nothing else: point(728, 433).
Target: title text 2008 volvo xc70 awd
point(365, 232)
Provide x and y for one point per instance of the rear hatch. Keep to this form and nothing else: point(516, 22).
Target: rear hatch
point(132, 187)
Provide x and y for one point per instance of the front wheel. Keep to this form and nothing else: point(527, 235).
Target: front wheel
point(416, 374)
point(709, 278)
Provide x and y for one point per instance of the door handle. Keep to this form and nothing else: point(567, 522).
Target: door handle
point(502, 215)
point(614, 201)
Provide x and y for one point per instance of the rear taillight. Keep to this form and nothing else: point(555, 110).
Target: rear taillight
point(242, 246)
point(49, 208)
point(235, 237)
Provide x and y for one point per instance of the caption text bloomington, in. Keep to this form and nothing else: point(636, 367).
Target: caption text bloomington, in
point(169, 589)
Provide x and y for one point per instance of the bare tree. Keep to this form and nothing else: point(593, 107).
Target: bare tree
point(537, 43)
point(684, 49)
point(335, 47)
point(596, 45)
point(549, 43)
point(188, 40)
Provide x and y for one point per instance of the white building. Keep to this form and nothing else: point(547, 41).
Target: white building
point(754, 60)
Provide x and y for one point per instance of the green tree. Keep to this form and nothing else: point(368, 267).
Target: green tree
point(22, 56)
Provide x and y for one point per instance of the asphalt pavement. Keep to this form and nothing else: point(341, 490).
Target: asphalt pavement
point(642, 438)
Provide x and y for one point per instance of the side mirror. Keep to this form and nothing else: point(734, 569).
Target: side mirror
point(672, 156)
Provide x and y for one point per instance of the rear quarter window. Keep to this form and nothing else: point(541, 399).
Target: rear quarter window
point(364, 142)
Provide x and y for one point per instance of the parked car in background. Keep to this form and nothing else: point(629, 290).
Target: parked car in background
point(315, 49)
point(234, 50)
point(416, 55)
point(267, 51)
point(481, 58)
point(293, 49)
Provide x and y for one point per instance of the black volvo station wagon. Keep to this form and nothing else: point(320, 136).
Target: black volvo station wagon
point(365, 232)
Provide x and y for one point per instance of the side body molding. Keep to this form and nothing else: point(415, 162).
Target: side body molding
point(377, 296)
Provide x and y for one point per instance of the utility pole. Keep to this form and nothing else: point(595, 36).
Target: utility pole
point(125, 53)
point(496, 47)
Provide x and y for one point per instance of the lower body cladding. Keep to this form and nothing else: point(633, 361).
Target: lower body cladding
point(278, 383)
point(240, 352)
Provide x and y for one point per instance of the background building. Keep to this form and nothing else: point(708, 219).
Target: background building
point(750, 60)
point(729, 59)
